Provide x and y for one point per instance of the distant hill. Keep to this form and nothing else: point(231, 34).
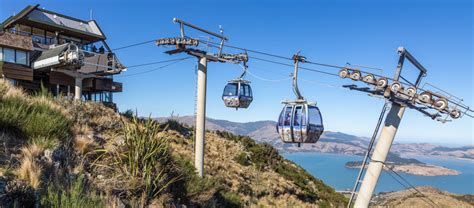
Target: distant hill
point(330, 142)
point(432, 198)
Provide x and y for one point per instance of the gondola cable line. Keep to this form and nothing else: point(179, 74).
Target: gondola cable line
point(266, 79)
point(134, 44)
point(156, 62)
point(155, 69)
point(420, 89)
point(338, 67)
point(216, 45)
point(263, 78)
point(305, 80)
point(457, 104)
point(289, 65)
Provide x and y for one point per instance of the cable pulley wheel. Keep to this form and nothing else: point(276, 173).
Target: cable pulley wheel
point(395, 87)
point(426, 97)
point(441, 104)
point(382, 82)
point(411, 91)
point(355, 76)
point(369, 78)
point(343, 73)
point(455, 113)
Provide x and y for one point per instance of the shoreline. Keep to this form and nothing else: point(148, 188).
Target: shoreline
point(418, 169)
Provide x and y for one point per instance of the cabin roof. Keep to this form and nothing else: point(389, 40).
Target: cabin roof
point(52, 52)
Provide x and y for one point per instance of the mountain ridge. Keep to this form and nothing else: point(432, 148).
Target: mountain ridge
point(330, 142)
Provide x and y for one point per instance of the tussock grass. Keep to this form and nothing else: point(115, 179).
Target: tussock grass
point(29, 170)
point(32, 151)
point(82, 141)
point(82, 144)
point(142, 163)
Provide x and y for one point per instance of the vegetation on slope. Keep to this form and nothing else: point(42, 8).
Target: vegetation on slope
point(62, 153)
point(431, 197)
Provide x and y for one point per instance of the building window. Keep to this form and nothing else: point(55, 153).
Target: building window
point(24, 30)
point(21, 57)
point(14, 56)
point(50, 38)
point(9, 55)
point(39, 36)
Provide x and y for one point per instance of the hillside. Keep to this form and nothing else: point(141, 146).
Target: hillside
point(61, 153)
point(434, 198)
point(330, 142)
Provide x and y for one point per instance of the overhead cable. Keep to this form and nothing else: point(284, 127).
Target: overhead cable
point(155, 69)
point(133, 45)
point(156, 62)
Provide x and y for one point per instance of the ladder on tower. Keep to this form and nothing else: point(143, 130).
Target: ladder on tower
point(366, 158)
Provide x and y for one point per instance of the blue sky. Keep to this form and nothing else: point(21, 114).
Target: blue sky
point(438, 33)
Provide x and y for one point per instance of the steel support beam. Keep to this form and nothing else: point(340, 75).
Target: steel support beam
point(57, 90)
point(78, 88)
point(200, 116)
point(392, 121)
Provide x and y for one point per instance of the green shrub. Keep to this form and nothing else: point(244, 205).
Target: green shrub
point(71, 195)
point(173, 124)
point(128, 114)
point(229, 199)
point(242, 159)
point(193, 184)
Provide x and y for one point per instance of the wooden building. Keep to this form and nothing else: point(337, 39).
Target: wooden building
point(69, 56)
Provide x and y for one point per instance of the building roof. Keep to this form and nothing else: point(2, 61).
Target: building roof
point(44, 19)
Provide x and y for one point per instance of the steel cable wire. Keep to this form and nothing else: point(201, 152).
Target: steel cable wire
point(155, 69)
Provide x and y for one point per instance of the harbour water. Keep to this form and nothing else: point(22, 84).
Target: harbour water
point(331, 169)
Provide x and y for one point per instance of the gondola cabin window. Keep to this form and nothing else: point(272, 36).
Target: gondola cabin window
point(247, 91)
point(315, 117)
point(287, 116)
point(230, 90)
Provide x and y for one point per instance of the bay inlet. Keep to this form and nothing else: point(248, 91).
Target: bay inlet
point(331, 169)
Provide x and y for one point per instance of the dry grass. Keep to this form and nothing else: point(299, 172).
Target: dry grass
point(83, 144)
point(271, 188)
point(31, 151)
point(8, 91)
point(29, 170)
point(79, 129)
point(83, 141)
point(406, 198)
